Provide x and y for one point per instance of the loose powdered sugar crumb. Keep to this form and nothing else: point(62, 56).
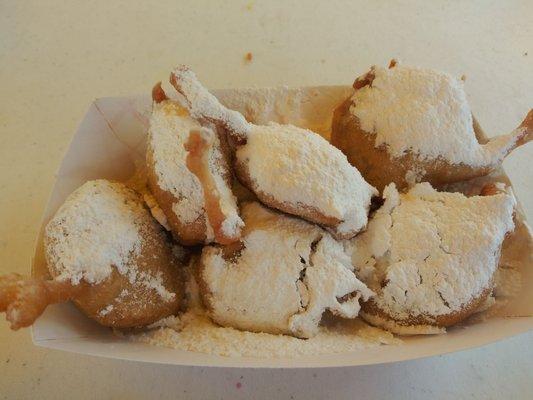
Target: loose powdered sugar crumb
point(154, 283)
point(171, 321)
point(414, 175)
point(426, 113)
point(199, 334)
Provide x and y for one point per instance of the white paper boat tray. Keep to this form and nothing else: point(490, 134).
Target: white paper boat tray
point(110, 142)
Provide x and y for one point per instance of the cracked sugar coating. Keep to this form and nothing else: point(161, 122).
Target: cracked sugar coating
point(298, 167)
point(428, 254)
point(170, 125)
point(282, 279)
point(424, 112)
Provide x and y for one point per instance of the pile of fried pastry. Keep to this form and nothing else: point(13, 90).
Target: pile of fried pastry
point(277, 225)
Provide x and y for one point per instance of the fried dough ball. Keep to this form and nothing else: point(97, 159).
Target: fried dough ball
point(406, 125)
point(280, 278)
point(430, 256)
point(288, 168)
point(177, 191)
point(107, 254)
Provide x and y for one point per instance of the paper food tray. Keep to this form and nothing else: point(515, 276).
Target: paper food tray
point(110, 143)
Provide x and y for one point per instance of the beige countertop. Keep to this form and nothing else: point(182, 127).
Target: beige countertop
point(56, 57)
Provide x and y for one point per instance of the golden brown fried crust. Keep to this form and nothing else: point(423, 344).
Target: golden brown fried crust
point(308, 213)
point(378, 167)
point(440, 321)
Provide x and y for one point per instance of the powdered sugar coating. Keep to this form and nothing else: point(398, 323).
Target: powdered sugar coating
point(424, 112)
point(96, 228)
point(429, 253)
point(288, 273)
point(100, 227)
point(299, 167)
point(169, 130)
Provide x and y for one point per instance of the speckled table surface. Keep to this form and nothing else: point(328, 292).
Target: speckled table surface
point(56, 56)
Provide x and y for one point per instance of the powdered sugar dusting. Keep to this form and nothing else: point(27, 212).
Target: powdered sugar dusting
point(426, 113)
point(199, 334)
point(151, 282)
point(438, 251)
point(299, 167)
point(96, 228)
point(295, 106)
point(171, 321)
